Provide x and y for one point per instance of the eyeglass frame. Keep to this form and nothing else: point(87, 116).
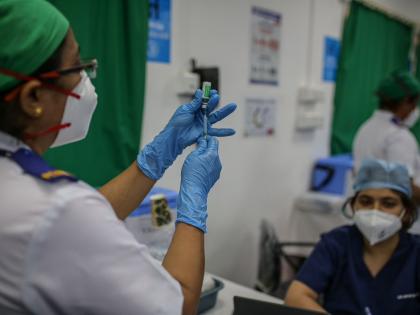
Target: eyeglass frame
point(54, 74)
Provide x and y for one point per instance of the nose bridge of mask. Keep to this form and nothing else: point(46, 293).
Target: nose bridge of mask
point(79, 88)
point(376, 217)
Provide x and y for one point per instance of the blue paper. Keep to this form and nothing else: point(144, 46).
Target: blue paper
point(159, 44)
point(331, 55)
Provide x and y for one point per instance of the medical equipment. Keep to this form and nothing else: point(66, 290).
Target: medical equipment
point(333, 175)
point(208, 296)
point(153, 222)
point(205, 100)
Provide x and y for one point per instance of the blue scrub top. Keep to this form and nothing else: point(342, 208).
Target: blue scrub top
point(336, 270)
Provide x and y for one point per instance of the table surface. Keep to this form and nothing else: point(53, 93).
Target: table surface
point(224, 304)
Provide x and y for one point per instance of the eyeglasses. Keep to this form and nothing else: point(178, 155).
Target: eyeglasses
point(90, 66)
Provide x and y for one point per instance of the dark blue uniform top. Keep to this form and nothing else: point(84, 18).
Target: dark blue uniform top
point(336, 269)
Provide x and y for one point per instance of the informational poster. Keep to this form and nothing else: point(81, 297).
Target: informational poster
point(260, 117)
point(265, 46)
point(159, 44)
point(331, 54)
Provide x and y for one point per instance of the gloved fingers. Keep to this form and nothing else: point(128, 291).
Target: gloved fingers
point(213, 102)
point(221, 132)
point(213, 144)
point(201, 144)
point(196, 101)
point(222, 113)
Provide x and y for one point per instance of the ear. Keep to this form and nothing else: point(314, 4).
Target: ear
point(407, 218)
point(29, 99)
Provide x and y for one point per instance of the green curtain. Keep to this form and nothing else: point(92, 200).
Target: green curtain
point(115, 32)
point(418, 57)
point(373, 45)
point(416, 128)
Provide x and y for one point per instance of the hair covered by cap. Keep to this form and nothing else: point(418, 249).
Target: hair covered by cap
point(30, 32)
point(397, 86)
point(382, 174)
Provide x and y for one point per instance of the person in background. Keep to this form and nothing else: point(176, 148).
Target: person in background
point(63, 246)
point(373, 266)
point(386, 135)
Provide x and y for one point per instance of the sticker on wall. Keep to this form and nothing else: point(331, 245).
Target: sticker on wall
point(159, 43)
point(260, 117)
point(331, 55)
point(265, 46)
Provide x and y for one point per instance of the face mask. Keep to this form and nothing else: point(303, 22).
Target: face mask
point(412, 118)
point(78, 113)
point(377, 226)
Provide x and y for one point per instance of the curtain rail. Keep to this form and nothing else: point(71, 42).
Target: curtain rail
point(374, 5)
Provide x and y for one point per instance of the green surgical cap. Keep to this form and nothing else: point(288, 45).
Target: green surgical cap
point(30, 33)
point(397, 86)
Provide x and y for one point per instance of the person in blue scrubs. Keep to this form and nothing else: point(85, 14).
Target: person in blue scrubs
point(373, 266)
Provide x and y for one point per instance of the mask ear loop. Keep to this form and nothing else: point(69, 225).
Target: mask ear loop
point(401, 216)
point(29, 136)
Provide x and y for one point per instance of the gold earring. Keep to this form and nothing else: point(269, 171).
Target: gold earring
point(38, 111)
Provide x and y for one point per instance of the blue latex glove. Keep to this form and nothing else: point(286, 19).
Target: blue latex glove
point(182, 130)
point(199, 173)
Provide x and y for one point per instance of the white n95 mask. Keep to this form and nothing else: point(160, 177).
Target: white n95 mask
point(412, 118)
point(78, 113)
point(377, 226)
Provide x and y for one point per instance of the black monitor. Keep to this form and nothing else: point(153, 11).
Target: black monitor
point(245, 306)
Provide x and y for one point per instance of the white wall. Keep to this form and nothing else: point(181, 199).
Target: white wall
point(261, 176)
point(408, 8)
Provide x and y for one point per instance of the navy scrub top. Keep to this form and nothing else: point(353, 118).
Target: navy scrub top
point(336, 270)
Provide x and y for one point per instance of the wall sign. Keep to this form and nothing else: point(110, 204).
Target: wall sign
point(331, 55)
point(159, 43)
point(265, 46)
point(260, 117)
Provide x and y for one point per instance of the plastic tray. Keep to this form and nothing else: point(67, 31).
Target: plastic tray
point(208, 298)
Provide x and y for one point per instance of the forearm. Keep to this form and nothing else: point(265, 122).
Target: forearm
point(301, 296)
point(304, 302)
point(127, 190)
point(185, 262)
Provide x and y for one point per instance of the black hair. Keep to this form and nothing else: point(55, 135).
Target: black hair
point(13, 120)
point(409, 205)
point(389, 104)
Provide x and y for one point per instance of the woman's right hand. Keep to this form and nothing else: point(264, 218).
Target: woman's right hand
point(200, 172)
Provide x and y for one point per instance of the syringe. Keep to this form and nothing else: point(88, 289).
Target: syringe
point(204, 102)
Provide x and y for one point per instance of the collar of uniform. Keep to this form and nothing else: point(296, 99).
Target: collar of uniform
point(30, 162)
point(10, 143)
point(383, 115)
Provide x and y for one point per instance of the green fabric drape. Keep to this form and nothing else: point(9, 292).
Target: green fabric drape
point(373, 45)
point(416, 128)
point(418, 58)
point(114, 32)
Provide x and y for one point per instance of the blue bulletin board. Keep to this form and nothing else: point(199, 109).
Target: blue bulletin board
point(159, 43)
point(331, 55)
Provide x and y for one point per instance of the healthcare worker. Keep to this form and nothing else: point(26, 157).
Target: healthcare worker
point(63, 246)
point(373, 266)
point(386, 134)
